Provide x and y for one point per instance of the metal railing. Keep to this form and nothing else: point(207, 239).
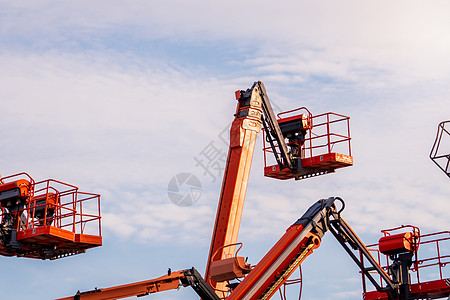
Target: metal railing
point(327, 131)
point(439, 156)
point(431, 258)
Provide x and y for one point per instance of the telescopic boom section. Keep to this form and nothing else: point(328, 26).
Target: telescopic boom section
point(163, 283)
point(173, 280)
point(243, 132)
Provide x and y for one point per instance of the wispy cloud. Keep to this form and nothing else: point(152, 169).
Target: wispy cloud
point(118, 98)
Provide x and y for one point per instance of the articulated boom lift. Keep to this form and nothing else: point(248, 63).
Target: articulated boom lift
point(408, 266)
point(47, 219)
point(292, 146)
point(301, 146)
point(298, 154)
point(391, 282)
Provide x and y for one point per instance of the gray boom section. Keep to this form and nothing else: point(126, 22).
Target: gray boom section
point(200, 286)
point(269, 120)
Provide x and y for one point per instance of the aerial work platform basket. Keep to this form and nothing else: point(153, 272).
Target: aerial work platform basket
point(430, 279)
point(319, 144)
point(48, 219)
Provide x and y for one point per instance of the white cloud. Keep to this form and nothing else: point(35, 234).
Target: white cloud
point(148, 221)
point(78, 103)
point(84, 110)
point(408, 38)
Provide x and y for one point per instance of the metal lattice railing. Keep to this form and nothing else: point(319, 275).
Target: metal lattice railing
point(440, 153)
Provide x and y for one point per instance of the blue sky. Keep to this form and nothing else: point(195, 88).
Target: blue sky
point(117, 97)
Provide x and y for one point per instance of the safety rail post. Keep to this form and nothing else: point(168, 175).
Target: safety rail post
point(439, 259)
point(377, 259)
point(379, 263)
point(58, 211)
point(310, 141)
point(328, 133)
point(74, 205)
point(99, 216)
point(264, 148)
point(348, 135)
point(45, 206)
point(81, 215)
point(363, 277)
point(31, 215)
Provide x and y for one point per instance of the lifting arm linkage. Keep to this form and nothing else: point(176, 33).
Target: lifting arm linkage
point(193, 278)
point(299, 241)
point(272, 128)
point(349, 240)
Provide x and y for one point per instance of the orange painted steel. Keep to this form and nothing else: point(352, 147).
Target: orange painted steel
point(50, 218)
point(229, 268)
point(243, 132)
point(397, 243)
point(299, 241)
point(23, 186)
point(430, 261)
point(142, 288)
point(277, 265)
point(326, 134)
point(253, 110)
